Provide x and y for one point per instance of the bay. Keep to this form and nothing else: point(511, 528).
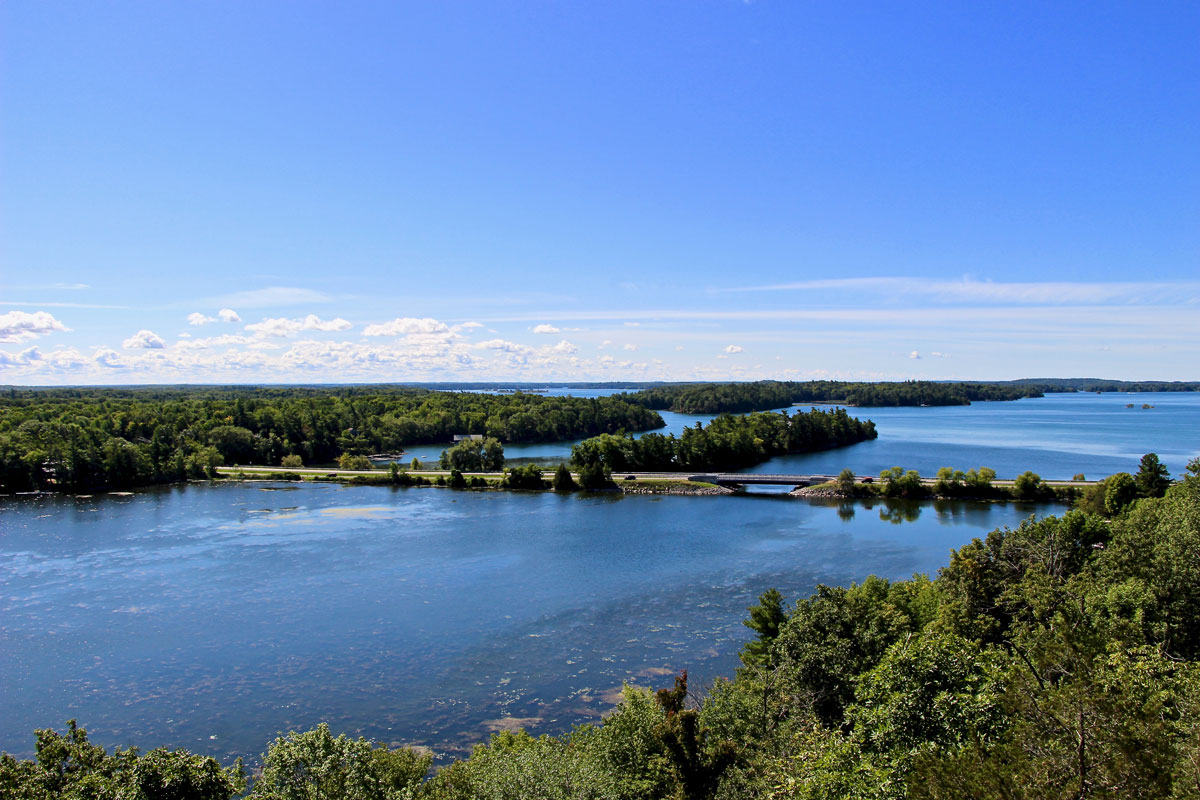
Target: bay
point(211, 617)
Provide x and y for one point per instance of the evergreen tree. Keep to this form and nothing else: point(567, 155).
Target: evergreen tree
point(765, 619)
point(563, 482)
point(1152, 478)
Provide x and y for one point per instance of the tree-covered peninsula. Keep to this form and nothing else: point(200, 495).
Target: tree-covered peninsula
point(716, 398)
point(727, 443)
point(1056, 661)
point(82, 439)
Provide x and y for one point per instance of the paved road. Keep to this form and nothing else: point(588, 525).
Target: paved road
point(721, 477)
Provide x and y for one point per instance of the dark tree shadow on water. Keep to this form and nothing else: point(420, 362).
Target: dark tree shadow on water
point(900, 511)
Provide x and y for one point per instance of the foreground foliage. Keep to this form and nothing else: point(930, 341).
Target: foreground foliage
point(69, 767)
point(1055, 660)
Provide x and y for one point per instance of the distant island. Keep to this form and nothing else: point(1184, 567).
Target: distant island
point(716, 398)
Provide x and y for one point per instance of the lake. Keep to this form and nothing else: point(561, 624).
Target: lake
point(211, 617)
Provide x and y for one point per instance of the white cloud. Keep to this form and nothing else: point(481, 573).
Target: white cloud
point(504, 346)
point(107, 358)
point(565, 347)
point(284, 327)
point(546, 329)
point(217, 341)
point(144, 340)
point(19, 326)
point(66, 359)
point(225, 314)
point(630, 347)
point(271, 297)
point(23, 358)
point(61, 360)
point(402, 326)
point(733, 348)
point(914, 354)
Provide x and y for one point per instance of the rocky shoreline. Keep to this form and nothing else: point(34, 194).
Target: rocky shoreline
point(677, 488)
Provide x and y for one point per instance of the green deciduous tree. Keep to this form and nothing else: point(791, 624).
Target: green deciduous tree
point(526, 477)
point(950, 482)
point(934, 688)
point(1029, 487)
point(474, 455)
point(69, 767)
point(353, 462)
point(1119, 491)
point(980, 479)
point(316, 765)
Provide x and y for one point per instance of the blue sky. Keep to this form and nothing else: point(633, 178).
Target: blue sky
point(535, 190)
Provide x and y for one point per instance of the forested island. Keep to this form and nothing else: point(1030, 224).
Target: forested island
point(728, 442)
point(82, 439)
point(1106, 385)
point(1055, 660)
point(716, 398)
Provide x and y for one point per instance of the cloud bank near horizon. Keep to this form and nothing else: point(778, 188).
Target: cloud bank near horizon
point(945, 329)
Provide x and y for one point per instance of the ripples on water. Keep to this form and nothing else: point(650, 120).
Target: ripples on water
point(213, 616)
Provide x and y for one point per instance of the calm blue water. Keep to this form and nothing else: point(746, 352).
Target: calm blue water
point(1056, 436)
point(211, 617)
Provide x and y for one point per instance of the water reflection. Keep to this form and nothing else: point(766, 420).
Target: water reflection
point(897, 511)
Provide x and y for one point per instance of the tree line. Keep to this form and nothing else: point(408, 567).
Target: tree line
point(1110, 495)
point(716, 398)
point(79, 439)
point(727, 442)
point(1104, 385)
point(1058, 660)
